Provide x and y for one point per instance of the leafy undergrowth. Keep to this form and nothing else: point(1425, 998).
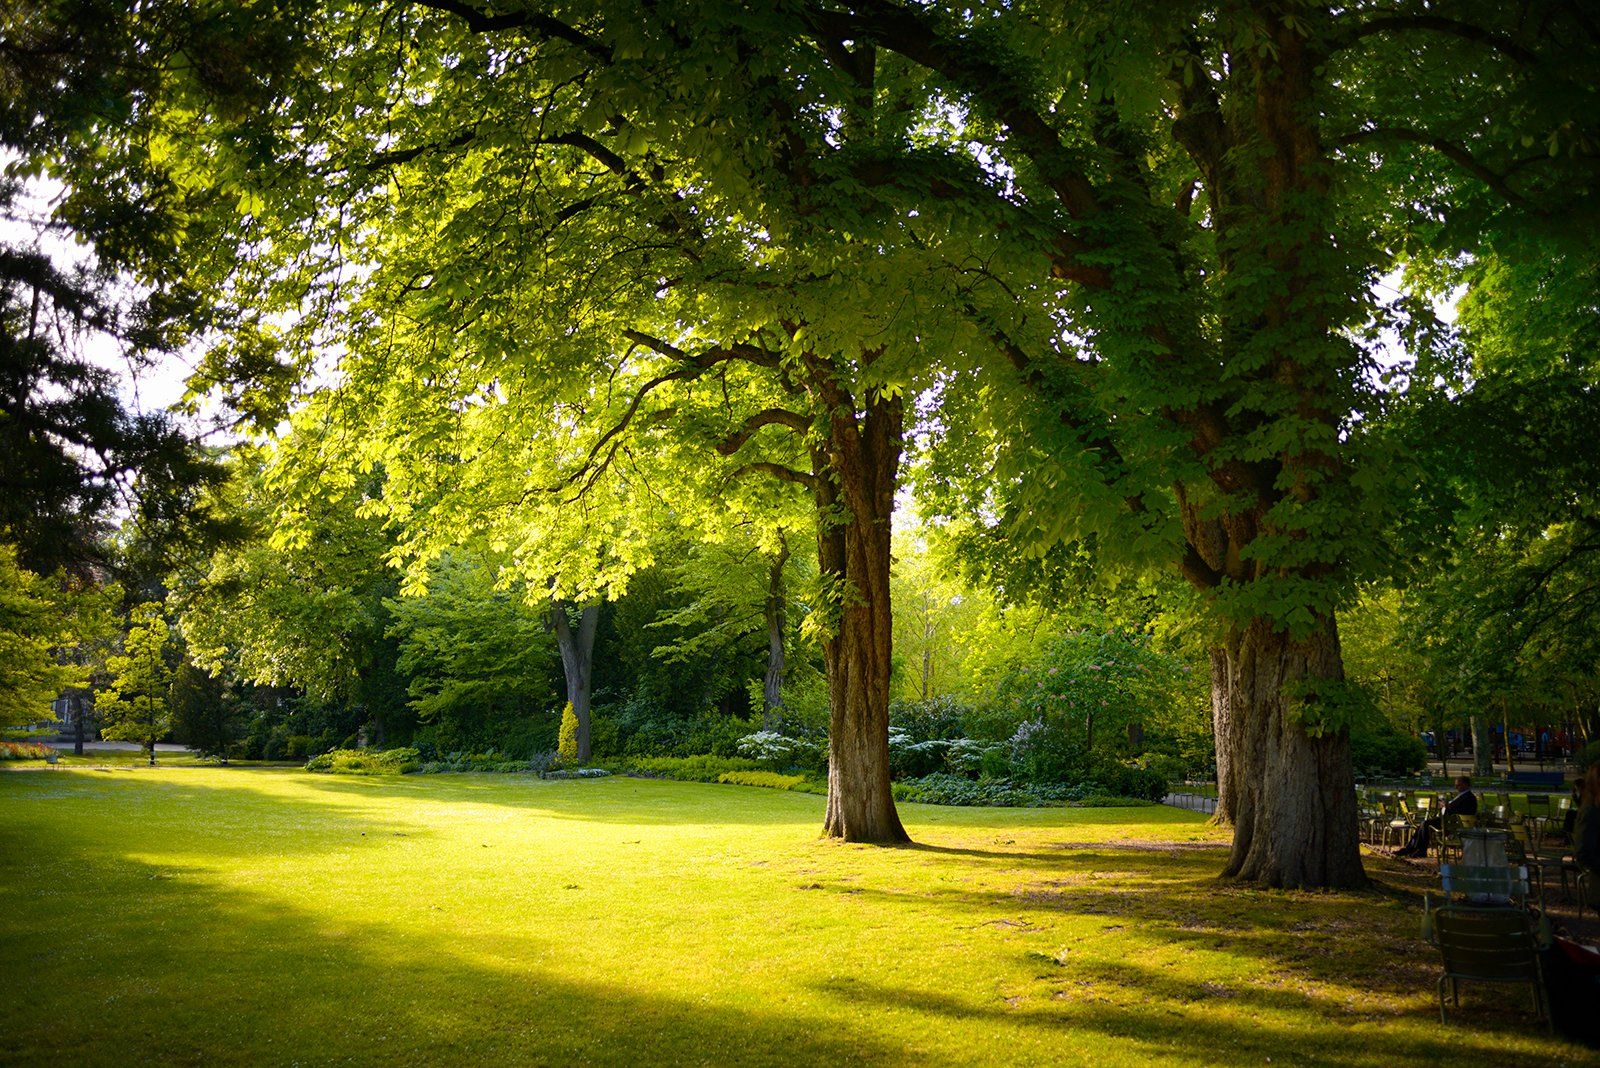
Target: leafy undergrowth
point(246, 916)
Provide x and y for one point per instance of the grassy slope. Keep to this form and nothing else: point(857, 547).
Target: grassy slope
point(247, 916)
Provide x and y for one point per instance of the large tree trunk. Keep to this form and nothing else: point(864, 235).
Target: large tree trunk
point(855, 500)
point(777, 611)
point(1292, 796)
point(577, 663)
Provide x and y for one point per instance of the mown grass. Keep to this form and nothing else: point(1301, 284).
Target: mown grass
point(244, 916)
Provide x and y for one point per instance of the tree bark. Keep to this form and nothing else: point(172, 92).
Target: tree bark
point(1482, 749)
point(1292, 795)
point(854, 488)
point(78, 726)
point(1219, 735)
point(577, 664)
point(777, 611)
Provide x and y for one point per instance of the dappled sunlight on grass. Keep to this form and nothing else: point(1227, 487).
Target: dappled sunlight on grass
point(240, 915)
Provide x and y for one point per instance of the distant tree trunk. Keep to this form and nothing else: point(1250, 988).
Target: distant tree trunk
point(1482, 749)
point(1292, 796)
point(927, 647)
point(854, 486)
point(78, 726)
point(777, 612)
point(1220, 681)
point(1505, 733)
point(577, 663)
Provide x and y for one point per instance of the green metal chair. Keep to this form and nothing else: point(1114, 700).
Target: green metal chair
point(1401, 825)
point(1450, 836)
point(1500, 886)
point(1486, 945)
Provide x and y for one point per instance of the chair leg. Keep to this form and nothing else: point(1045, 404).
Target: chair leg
point(1442, 1017)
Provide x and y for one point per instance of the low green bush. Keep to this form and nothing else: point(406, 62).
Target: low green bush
point(942, 788)
point(1386, 752)
point(769, 779)
point(703, 768)
point(490, 762)
point(366, 762)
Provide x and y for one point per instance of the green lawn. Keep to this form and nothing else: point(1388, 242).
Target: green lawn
point(247, 916)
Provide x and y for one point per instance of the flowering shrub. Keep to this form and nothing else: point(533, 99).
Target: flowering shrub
point(778, 750)
point(26, 751)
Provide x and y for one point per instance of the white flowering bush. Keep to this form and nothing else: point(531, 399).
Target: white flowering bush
point(778, 750)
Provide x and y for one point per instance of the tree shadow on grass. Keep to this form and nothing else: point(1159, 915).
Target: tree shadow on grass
point(1317, 955)
point(182, 971)
point(1169, 1024)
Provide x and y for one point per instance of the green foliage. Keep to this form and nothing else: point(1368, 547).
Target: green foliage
point(33, 633)
point(490, 762)
point(689, 769)
point(568, 744)
point(134, 707)
point(366, 762)
point(300, 600)
point(1379, 751)
point(644, 730)
point(474, 651)
point(769, 779)
point(205, 715)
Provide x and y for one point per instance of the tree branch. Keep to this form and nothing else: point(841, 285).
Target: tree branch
point(766, 417)
point(787, 474)
point(1457, 154)
point(480, 21)
point(1467, 31)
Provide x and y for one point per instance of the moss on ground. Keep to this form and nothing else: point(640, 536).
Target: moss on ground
point(264, 916)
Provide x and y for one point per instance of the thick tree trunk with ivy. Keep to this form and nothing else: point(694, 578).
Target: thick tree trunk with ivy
point(1290, 795)
point(855, 500)
point(776, 612)
point(577, 664)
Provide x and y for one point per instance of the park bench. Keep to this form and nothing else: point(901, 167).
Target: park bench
point(1551, 779)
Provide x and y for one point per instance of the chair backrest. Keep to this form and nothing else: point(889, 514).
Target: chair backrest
point(1486, 943)
point(1539, 801)
point(1424, 803)
point(1481, 885)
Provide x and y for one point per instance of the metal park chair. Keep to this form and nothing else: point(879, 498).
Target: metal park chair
point(1499, 886)
point(1450, 836)
point(1485, 945)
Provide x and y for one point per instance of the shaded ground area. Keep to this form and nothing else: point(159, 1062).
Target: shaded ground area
point(252, 915)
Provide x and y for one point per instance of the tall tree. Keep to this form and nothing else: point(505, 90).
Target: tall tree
point(1160, 220)
point(34, 635)
point(134, 707)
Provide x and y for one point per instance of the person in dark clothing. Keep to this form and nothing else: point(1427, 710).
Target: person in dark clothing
point(1465, 803)
point(1586, 827)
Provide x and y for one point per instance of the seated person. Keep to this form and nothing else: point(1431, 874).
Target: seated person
point(1465, 803)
